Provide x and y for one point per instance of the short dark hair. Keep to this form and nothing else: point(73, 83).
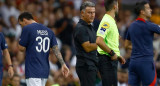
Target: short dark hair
point(139, 6)
point(86, 4)
point(25, 15)
point(109, 4)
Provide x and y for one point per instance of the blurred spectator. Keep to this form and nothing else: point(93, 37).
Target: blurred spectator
point(158, 2)
point(1, 26)
point(65, 26)
point(156, 15)
point(51, 21)
point(8, 10)
point(14, 29)
point(122, 77)
point(15, 81)
point(12, 45)
point(66, 54)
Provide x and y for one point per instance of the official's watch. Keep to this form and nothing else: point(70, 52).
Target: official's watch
point(112, 53)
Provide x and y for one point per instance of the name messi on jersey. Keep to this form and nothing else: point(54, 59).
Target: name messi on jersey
point(42, 32)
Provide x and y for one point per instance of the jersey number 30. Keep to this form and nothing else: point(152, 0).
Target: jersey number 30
point(42, 44)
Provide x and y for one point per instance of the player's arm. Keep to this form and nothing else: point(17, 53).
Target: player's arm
point(128, 44)
point(88, 47)
point(24, 39)
point(155, 28)
point(57, 53)
point(6, 55)
point(21, 48)
point(8, 59)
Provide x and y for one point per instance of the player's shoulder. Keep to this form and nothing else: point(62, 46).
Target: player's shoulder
point(151, 23)
point(28, 26)
point(134, 23)
point(49, 30)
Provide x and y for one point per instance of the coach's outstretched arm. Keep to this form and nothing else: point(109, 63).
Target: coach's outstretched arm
point(65, 70)
point(100, 42)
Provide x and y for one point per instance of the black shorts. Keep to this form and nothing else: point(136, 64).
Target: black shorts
point(108, 70)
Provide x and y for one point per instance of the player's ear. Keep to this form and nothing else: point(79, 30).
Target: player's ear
point(115, 6)
point(142, 12)
point(25, 20)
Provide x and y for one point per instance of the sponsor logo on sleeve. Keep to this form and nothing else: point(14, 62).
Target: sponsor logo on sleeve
point(104, 27)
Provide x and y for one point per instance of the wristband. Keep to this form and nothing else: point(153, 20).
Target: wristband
point(112, 53)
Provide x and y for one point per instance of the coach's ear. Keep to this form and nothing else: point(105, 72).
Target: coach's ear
point(82, 13)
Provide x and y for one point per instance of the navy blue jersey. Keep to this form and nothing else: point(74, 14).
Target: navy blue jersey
point(3, 45)
point(38, 40)
point(141, 34)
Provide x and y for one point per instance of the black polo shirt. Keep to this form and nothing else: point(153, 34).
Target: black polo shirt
point(83, 33)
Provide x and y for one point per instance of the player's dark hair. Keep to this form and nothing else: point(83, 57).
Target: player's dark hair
point(109, 4)
point(139, 7)
point(86, 4)
point(25, 15)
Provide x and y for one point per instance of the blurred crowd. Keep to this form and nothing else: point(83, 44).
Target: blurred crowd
point(61, 16)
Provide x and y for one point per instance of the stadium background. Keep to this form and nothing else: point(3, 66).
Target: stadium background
point(61, 16)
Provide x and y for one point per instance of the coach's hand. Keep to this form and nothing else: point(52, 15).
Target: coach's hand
point(10, 72)
point(121, 60)
point(65, 70)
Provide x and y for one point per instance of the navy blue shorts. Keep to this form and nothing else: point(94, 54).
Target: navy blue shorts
point(142, 72)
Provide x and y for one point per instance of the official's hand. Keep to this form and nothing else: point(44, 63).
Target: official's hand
point(10, 72)
point(65, 70)
point(114, 57)
point(121, 60)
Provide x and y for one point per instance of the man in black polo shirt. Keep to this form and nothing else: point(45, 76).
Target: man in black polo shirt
point(84, 39)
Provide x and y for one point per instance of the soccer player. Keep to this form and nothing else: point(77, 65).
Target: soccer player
point(36, 40)
point(108, 45)
point(3, 47)
point(140, 39)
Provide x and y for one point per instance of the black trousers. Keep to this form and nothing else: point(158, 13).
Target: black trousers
point(86, 76)
point(108, 70)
